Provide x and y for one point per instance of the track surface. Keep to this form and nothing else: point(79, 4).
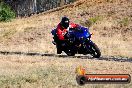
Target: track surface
point(112, 58)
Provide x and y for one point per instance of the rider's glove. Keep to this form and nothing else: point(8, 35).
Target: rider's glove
point(68, 29)
point(66, 36)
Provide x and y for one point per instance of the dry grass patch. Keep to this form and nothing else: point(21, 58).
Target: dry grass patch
point(43, 72)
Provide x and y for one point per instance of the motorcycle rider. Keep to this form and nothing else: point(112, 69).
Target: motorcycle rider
point(62, 29)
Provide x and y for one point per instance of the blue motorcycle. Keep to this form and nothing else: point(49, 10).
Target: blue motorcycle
point(78, 42)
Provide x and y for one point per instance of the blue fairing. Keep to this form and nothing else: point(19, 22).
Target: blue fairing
point(82, 32)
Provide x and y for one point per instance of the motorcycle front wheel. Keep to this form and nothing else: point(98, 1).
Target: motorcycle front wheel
point(94, 50)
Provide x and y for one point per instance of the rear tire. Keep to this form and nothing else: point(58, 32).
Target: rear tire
point(70, 52)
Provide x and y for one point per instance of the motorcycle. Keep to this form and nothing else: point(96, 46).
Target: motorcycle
point(79, 42)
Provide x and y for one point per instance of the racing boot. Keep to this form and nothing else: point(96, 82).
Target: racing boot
point(59, 50)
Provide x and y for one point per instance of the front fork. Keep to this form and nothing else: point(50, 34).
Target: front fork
point(87, 46)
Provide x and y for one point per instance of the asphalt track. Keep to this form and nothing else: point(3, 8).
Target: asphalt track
point(111, 58)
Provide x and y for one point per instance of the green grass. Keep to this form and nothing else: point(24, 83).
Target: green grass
point(124, 22)
point(91, 21)
point(95, 19)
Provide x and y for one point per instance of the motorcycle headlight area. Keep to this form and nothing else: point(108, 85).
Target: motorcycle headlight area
point(87, 35)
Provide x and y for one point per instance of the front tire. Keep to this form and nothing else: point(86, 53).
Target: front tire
point(95, 51)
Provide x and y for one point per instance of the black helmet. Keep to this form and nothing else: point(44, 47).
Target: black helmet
point(65, 22)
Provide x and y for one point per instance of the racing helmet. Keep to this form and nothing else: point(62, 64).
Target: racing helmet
point(65, 22)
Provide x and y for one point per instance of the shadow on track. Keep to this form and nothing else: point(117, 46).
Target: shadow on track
point(112, 58)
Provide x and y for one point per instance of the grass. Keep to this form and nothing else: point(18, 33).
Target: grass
point(8, 33)
point(38, 72)
point(109, 1)
point(124, 22)
point(29, 29)
point(91, 21)
point(95, 19)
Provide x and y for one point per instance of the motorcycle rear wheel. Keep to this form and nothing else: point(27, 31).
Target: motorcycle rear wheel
point(70, 52)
